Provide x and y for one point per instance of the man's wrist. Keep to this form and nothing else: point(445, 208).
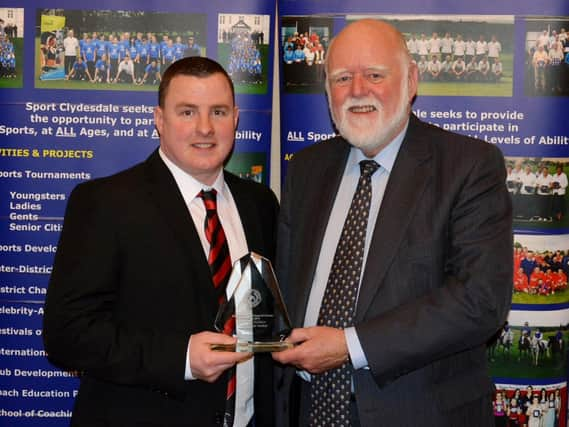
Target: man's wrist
point(356, 355)
point(188, 376)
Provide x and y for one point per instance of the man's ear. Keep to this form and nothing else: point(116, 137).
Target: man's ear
point(158, 119)
point(413, 80)
point(235, 116)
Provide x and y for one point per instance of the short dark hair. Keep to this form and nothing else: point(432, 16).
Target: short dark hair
point(195, 66)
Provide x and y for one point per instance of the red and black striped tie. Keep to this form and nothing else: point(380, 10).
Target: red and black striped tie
point(220, 266)
point(219, 260)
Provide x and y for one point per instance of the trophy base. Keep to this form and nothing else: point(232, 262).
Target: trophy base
point(253, 347)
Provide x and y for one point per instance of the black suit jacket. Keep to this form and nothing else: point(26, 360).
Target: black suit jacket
point(130, 284)
point(438, 278)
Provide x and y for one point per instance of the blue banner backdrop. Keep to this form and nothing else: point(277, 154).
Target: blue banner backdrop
point(57, 132)
point(522, 109)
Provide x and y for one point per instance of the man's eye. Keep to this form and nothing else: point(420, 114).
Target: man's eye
point(374, 77)
point(188, 113)
point(343, 79)
point(220, 112)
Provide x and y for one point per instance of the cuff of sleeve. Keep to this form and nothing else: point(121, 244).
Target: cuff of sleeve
point(188, 372)
point(355, 349)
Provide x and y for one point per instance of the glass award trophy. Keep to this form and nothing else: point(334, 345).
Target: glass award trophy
point(254, 300)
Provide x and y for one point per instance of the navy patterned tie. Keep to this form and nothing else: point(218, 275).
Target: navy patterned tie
point(331, 390)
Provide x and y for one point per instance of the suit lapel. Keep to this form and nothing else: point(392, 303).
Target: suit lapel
point(408, 179)
point(164, 191)
point(318, 200)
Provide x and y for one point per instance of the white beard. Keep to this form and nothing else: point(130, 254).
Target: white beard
point(370, 134)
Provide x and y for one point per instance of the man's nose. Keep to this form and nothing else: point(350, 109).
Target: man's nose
point(205, 126)
point(358, 85)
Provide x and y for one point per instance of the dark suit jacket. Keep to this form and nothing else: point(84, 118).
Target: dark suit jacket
point(438, 278)
point(130, 285)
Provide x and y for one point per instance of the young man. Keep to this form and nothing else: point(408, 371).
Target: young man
point(497, 70)
point(396, 290)
point(447, 44)
point(100, 46)
point(423, 68)
point(133, 51)
point(494, 49)
point(481, 48)
point(168, 53)
point(435, 45)
point(114, 54)
point(131, 302)
point(192, 48)
point(151, 74)
point(79, 71)
point(125, 71)
point(446, 68)
point(458, 70)
point(153, 49)
point(412, 47)
point(472, 70)
point(434, 69)
point(89, 54)
point(143, 56)
point(71, 51)
point(459, 47)
point(102, 70)
point(484, 70)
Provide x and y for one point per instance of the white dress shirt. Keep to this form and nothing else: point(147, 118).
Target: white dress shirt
point(237, 242)
point(386, 159)
point(226, 210)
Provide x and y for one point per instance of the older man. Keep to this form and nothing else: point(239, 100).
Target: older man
point(71, 51)
point(142, 265)
point(394, 253)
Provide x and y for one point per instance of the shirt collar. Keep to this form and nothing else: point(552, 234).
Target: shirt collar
point(385, 158)
point(188, 185)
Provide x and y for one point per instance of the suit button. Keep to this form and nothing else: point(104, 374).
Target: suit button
point(218, 418)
